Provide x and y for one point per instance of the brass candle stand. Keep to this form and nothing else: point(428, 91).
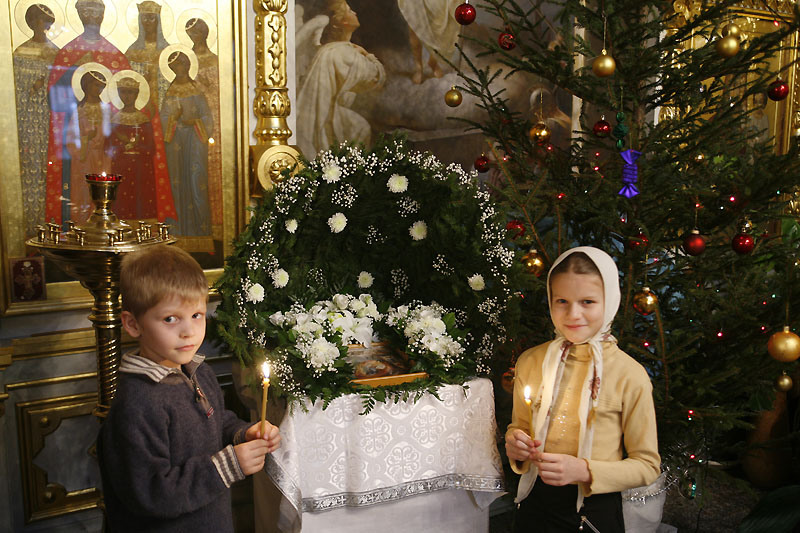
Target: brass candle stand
point(92, 253)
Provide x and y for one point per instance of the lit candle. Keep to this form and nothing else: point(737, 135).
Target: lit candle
point(528, 402)
point(264, 394)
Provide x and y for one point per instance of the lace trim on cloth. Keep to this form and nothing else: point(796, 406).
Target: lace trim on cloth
point(403, 490)
point(283, 481)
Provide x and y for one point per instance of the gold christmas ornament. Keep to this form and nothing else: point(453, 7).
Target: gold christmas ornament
point(783, 383)
point(603, 65)
point(453, 97)
point(732, 30)
point(534, 264)
point(645, 301)
point(727, 46)
point(539, 133)
point(784, 346)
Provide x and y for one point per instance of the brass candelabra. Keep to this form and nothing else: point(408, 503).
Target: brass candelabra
point(92, 253)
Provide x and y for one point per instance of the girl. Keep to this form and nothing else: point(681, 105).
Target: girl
point(589, 408)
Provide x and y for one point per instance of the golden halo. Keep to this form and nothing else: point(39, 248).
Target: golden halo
point(106, 27)
point(22, 7)
point(166, 52)
point(144, 89)
point(185, 16)
point(110, 89)
point(132, 17)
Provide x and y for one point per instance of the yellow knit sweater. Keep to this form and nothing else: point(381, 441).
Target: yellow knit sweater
point(625, 447)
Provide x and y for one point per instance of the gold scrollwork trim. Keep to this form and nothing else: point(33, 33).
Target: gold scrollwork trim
point(36, 420)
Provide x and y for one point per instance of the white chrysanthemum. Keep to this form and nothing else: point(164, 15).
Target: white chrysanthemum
point(418, 230)
point(291, 225)
point(337, 222)
point(255, 293)
point(322, 354)
point(331, 173)
point(365, 280)
point(280, 278)
point(397, 183)
point(476, 282)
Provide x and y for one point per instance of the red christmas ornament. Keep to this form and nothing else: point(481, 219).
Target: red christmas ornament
point(694, 243)
point(465, 14)
point(506, 41)
point(516, 225)
point(778, 90)
point(601, 128)
point(743, 243)
point(639, 242)
point(482, 163)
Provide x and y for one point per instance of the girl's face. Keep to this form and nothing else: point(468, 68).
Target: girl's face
point(577, 303)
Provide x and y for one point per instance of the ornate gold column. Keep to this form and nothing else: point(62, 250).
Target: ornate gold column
point(271, 104)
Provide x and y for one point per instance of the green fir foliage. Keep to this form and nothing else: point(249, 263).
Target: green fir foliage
point(704, 165)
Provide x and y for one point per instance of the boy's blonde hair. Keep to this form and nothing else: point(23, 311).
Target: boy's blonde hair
point(154, 273)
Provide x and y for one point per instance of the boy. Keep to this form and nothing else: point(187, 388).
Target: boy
point(590, 429)
point(169, 450)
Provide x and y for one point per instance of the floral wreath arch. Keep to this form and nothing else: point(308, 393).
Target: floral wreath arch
point(387, 241)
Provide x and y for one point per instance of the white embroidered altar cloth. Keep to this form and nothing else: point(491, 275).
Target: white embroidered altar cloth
point(337, 459)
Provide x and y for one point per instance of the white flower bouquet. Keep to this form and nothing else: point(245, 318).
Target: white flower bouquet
point(392, 222)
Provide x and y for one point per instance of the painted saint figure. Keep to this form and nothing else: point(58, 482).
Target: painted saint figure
point(132, 149)
point(90, 46)
point(208, 79)
point(187, 121)
point(32, 61)
point(340, 69)
point(86, 135)
point(143, 54)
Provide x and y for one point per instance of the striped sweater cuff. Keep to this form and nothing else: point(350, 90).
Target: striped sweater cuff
point(227, 465)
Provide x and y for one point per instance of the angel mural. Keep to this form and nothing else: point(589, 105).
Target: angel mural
point(415, 78)
point(432, 26)
point(339, 70)
point(32, 61)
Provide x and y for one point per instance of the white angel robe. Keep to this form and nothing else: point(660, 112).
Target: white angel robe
point(339, 70)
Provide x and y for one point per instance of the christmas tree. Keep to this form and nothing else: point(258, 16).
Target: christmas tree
point(670, 166)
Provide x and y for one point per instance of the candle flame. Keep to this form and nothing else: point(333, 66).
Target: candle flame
point(265, 370)
point(527, 393)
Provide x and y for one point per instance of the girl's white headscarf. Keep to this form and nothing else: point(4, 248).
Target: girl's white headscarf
point(553, 367)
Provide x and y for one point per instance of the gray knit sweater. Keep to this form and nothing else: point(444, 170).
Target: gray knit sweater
point(166, 450)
